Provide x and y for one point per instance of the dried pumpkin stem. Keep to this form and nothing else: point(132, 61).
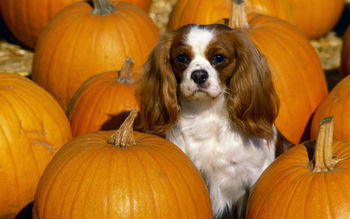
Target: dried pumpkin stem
point(323, 156)
point(124, 136)
point(125, 75)
point(102, 7)
point(238, 17)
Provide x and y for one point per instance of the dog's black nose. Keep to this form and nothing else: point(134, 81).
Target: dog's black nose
point(199, 76)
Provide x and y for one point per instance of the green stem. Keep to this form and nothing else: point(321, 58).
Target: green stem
point(102, 7)
point(238, 17)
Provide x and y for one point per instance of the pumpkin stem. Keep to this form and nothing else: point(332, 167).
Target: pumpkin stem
point(125, 75)
point(323, 157)
point(238, 17)
point(102, 7)
point(124, 136)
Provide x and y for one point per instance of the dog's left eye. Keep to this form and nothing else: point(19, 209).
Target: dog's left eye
point(183, 59)
point(218, 59)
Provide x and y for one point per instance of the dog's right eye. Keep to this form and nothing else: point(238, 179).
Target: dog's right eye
point(183, 59)
point(218, 59)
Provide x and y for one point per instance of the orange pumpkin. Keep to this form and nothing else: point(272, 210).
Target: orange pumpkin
point(345, 54)
point(128, 175)
point(143, 4)
point(208, 11)
point(298, 77)
point(294, 186)
point(83, 41)
point(27, 18)
point(33, 127)
point(102, 102)
point(336, 104)
point(316, 17)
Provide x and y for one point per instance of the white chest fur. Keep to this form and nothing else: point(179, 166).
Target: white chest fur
point(229, 160)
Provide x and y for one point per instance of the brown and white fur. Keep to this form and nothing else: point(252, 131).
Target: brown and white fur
point(209, 90)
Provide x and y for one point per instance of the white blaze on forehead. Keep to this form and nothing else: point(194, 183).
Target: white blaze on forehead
point(198, 39)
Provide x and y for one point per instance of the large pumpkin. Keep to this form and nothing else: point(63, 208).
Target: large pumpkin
point(336, 104)
point(209, 11)
point(27, 18)
point(131, 175)
point(143, 4)
point(316, 17)
point(296, 186)
point(345, 54)
point(83, 41)
point(33, 127)
point(298, 77)
point(103, 101)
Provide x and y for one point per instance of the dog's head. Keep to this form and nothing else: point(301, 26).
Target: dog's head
point(204, 62)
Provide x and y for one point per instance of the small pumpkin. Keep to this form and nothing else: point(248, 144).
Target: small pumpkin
point(82, 41)
point(294, 186)
point(33, 127)
point(345, 54)
point(103, 101)
point(27, 18)
point(298, 76)
point(336, 104)
point(121, 174)
point(316, 17)
point(208, 11)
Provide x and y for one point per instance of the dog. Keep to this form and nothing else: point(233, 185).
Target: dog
point(209, 90)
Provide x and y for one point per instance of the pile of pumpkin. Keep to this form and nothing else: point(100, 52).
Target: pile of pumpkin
point(53, 149)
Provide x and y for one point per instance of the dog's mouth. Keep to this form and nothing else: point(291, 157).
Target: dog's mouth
point(201, 93)
point(201, 90)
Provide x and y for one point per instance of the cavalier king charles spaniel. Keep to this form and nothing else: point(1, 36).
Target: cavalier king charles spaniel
point(209, 90)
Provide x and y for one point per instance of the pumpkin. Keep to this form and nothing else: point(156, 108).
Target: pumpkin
point(102, 102)
point(27, 18)
point(33, 127)
point(345, 54)
point(336, 104)
point(298, 77)
point(83, 41)
point(122, 174)
point(294, 186)
point(208, 11)
point(143, 4)
point(316, 17)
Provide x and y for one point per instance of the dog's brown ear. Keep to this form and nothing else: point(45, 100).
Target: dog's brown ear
point(156, 90)
point(252, 101)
